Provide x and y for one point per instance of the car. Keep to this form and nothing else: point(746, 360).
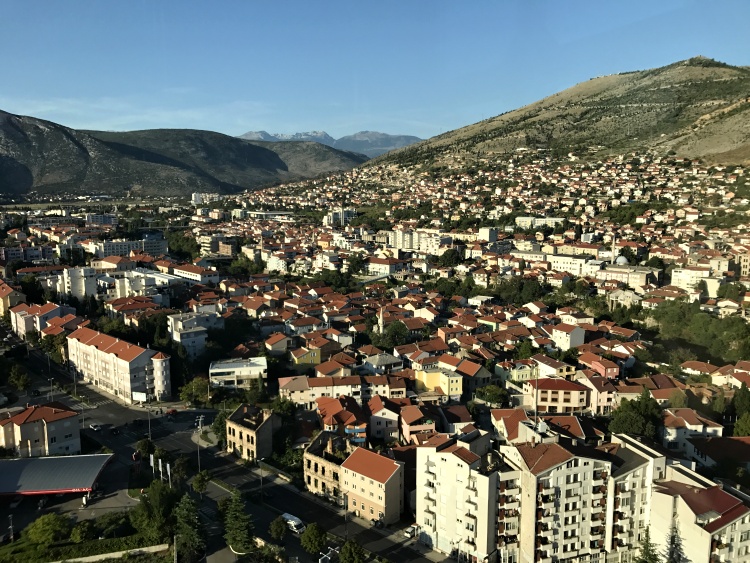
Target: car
point(171, 412)
point(35, 392)
point(114, 431)
point(95, 427)
point(411, 531)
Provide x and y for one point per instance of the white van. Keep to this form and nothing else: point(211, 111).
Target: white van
point(294, 523)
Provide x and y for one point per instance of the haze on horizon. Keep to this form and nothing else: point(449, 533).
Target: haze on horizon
point(399, 68)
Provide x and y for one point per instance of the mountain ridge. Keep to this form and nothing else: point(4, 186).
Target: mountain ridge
point(369, 143)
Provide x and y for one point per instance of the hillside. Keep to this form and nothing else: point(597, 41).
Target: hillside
point(697, 108)
point(41, 156)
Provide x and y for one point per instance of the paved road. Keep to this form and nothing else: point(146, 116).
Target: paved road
point(180, 437)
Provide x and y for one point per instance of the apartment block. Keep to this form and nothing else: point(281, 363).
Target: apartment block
point(41, 430)
point(322, 465)
point(125, 370)
point(238, 373)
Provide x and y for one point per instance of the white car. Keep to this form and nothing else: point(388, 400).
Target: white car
point(95, 427)
point(410, 532)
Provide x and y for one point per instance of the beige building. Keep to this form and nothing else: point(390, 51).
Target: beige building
point(555, 395)
point(449, 382)
point(322, 465)
point(250, 432)
point(125, 370)
point(41, 430)
point(373, 486)
point(9, 298)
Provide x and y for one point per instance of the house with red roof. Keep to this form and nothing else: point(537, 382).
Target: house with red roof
point(373, 485)
point(41, 430)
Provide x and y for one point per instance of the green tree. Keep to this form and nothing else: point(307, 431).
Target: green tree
point(313, 539)
point(195, 391)
point(277, 529)
point(19, 378)
point(674, 552)
point(201, 481)
point(742, 426)
point(189, 539)
point(219, 427)
point(719, 404)
point(648, 553)
point(153, 515)
point(145, 447)
point(677, 399)
point(352, 552)
point(493, 394)
point(450, 258)
point(641, 416)
point(741, 400)
point(48, 529)
point(83, 531)
point(238, 527)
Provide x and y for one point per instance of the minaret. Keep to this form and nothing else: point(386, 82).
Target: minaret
point(381, 320)
point(614, 240)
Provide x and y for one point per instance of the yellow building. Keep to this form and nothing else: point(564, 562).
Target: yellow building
point(449, 382)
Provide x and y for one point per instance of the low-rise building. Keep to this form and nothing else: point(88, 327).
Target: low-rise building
point(322, 465)
point(41, 430)
point(250, 432)
point(238, 373)
point(373, 486)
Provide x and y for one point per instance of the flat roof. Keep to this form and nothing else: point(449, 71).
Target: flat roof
point(51, 475)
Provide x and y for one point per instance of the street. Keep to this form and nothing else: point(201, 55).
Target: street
point(180, 437)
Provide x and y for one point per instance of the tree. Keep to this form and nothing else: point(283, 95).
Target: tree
point(719, 404)
point(238, 527)
point(641, 417)
point(648, 553)
point(145, 447)
point(201, 481)
point(219, 427)
point(48, 529)
point(677, 399)
point(742, 426)
point(741, 400)
point(83, 531)
point(674, 552)
point(153, 515)
point(352, 552)
point(19, 378)
point(195, 391)
point(277, 529)
point(493, 394)
point(189, 542)
point(313, 539)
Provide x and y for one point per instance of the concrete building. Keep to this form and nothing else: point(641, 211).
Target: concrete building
point(321, 463)
point(191, 330)
point(238, 373)
point(250, 432)
point(76, 282)
point(457, 504)
point(373, 486)
point(27, 318)
point(125, 370)
point(41, 430)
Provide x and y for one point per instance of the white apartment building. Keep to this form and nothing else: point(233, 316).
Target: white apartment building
point(456, 498)
point(238, 373)
point(191, 330)
point(77, 282)
point(121, 247)
point(196, 274)
point(25, 318)
point(125, 370)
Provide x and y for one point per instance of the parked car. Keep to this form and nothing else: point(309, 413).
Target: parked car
point(410, 532)
point(115, 431)
point(95, 427)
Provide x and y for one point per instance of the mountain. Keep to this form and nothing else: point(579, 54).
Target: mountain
point(369, 143)
point(38, 155)
point(315, 136)
point(697, 108)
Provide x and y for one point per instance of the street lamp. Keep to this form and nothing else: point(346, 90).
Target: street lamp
point(51, 393)
point(346, 517)
point(149, 424)
point(261, 480)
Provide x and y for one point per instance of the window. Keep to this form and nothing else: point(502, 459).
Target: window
point(52, 440)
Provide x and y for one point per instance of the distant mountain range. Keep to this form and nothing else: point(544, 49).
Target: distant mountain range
point(693, 108)
point(696, 108)
point(369, 143)
point(38, 155)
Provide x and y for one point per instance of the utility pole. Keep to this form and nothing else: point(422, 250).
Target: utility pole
point(10, 528)
point(175, 547)
point(200, 431)
point(261, 480)
point(149, 423)
point(51, 393)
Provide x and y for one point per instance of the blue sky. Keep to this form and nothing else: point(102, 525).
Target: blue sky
point(395, 66)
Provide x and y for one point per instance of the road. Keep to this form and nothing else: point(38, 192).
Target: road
point(180, 438)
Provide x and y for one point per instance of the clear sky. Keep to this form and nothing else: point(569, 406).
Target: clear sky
point(395, 66)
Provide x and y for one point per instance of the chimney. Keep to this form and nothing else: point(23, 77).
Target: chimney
point(244, 409)
point(329, 447)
